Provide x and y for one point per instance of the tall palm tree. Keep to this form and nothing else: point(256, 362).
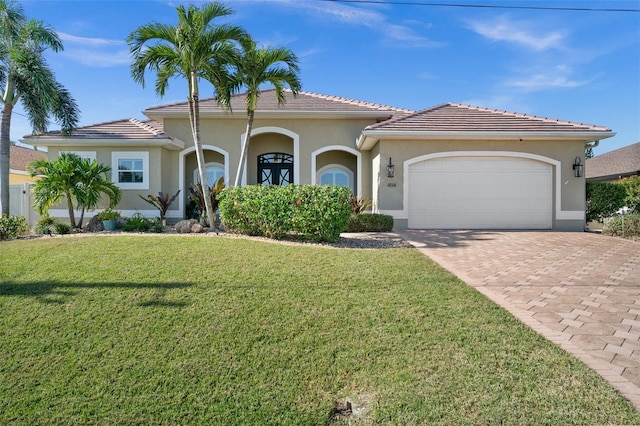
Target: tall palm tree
point(256, 67)
point(193, 49)
point(26, 77)
point(73, 178)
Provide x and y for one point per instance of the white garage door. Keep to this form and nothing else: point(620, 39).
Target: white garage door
point(480, 193)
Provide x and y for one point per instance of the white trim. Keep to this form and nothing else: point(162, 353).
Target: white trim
point(368, 138)
point(282, 131)
point(355, 152)
point(559, 213)
point(181, 184)
point(144, 155)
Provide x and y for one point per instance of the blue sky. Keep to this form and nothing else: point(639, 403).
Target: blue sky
point(581, 66)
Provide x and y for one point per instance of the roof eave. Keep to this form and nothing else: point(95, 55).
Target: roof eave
point(375, 115)
point(168, 143)
point(369, 138)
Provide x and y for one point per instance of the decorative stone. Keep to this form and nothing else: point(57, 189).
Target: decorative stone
point(94, 225)
point(185, 226)
point(197, 228)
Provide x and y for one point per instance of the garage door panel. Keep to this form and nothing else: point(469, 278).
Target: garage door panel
point(480, 193)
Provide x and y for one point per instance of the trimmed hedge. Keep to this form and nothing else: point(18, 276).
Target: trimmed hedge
point(604, 199)
point(370, 222)
point(319, 213)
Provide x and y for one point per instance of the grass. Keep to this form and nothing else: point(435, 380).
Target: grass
point(179, 330)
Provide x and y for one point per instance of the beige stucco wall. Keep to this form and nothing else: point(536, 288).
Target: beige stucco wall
point(389, 195)
point(279, 135)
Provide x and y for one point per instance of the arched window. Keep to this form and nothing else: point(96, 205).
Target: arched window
point(335, 174)
point(214, 172)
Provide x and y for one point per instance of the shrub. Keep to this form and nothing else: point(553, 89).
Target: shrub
point(12, 227)
point(139, 223)
point(632, 186)
point(108, 214)
point(45, 225)
point(359, 204)
point(162, 202)
point(319, 213)
point(196, 195)
point(627, 225)
point(370, 222)
point(604, 199)
point(62, 228)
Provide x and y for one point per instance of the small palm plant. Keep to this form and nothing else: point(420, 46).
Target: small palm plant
point(161, 202)
point(198, 196)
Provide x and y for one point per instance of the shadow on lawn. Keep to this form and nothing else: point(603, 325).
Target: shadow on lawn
point(58, 292)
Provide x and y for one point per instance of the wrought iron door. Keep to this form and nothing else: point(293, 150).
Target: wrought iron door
point(275, 168)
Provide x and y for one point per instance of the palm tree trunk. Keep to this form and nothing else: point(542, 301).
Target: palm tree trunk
point(72, 217)
point(245, 147)
point(194, 113)
point(5, 152)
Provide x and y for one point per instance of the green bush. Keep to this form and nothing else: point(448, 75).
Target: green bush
point(62, 228)
point(370, 222)
point(139, 223)
point(12, 227)
point(632, 186)
point(628, 225)
point(319, 213)
point(604, 199)
point(45, 224)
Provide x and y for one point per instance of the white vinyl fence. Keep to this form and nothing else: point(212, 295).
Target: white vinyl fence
point(20, 203)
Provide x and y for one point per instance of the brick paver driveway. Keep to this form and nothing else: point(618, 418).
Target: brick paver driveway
point(580, 290)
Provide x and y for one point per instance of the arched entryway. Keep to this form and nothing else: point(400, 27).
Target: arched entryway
point(272, 150)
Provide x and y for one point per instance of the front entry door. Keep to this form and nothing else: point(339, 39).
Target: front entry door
point(275, 168)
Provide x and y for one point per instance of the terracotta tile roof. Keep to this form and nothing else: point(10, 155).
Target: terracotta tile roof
point(120, 129)
point(621, 162)
point(451, 117)
point(20, 157)
point(305, 102)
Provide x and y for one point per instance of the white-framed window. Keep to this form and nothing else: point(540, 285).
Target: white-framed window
point(85, 155)
point(335, 174)
point(130, 170)
point(214, 172)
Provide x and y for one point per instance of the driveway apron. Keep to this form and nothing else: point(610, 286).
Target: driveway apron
point(579, 290)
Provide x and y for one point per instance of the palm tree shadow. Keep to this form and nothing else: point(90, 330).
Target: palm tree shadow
point(56, 292)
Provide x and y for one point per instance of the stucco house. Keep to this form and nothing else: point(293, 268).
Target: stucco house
point(448, 166)
point(614, 165)
point(19, 159)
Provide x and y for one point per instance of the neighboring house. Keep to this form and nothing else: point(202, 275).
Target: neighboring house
point(614, 165)
point(452, 165)
point(19, 160)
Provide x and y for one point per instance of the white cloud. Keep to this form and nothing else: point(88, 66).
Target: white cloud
point(89, 41)
point(559, 77)
point(95, 52)
point(360, 17)
point(519, 32)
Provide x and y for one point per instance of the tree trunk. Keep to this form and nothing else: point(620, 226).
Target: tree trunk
point(72, 217)
point(194, 118)
point(5, 152)
point(245, 147)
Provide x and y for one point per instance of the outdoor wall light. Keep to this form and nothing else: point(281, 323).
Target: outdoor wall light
point(578, 167)
point(390, 169)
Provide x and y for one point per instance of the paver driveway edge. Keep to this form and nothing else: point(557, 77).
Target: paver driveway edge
point(611, 373)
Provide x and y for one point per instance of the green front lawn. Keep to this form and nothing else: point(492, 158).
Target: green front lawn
point(207, 330)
